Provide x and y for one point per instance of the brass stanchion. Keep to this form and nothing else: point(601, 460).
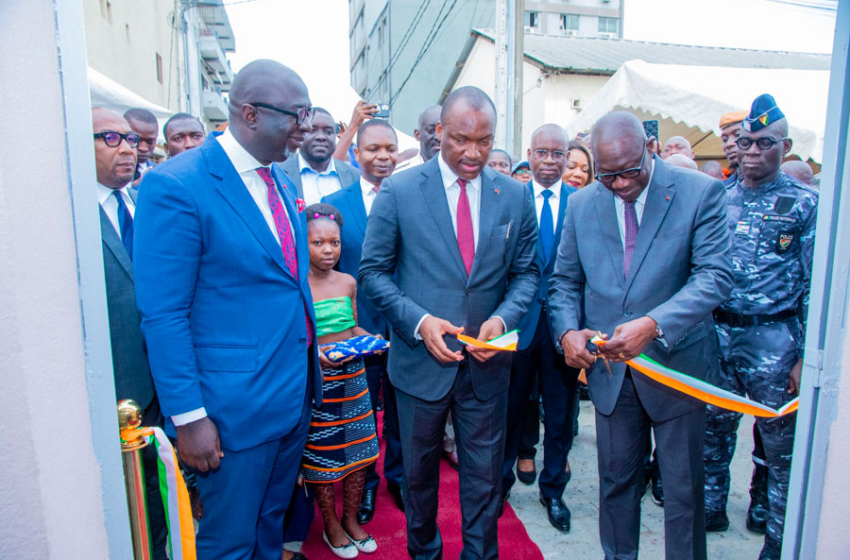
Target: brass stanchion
point(132, 443)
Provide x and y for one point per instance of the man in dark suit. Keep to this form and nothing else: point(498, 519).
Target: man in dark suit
point(314, 170)
point(376, 152)
point(536, 353)
point(450, 246)
point(647, 245)
point(115, 159)
point(221, 264)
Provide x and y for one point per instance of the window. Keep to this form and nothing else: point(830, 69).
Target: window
point(159, 73)
point(532, 19)
point(609, 25)
point(569, 22)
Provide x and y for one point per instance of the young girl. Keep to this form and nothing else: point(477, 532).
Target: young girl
point(342, 439)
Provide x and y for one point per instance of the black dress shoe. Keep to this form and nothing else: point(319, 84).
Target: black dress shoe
point(657, 491)
point(366, 511)
point(716, 522)
point(527, 477)
point(395, 492)
point(558, 512)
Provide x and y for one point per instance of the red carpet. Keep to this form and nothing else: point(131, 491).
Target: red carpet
point(389, 531)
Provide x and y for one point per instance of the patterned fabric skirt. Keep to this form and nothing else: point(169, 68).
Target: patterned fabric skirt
point(342, 437)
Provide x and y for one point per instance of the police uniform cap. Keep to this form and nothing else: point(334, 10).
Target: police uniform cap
point(764, 112)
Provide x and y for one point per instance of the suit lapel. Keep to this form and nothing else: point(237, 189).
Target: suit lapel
point(357, 210)
point(658, 201)
point(540, 256)
point(609, 230)
point(233, 190)
point(435, 197)
point(559, 225)
point(113, 242)
point(486, 214)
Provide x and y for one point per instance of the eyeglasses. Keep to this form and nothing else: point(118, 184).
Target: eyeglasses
point(609, 178)
point(557, 155)
point(113, 139)
point(303, 114)
point(744, 143)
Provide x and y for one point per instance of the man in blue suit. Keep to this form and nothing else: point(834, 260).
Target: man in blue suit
point(220, 262)
point(376, 152)
point(450, 246)
point(536, 353)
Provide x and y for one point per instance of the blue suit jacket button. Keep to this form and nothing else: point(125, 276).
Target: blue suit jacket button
point(302, 339)
point(627, 314)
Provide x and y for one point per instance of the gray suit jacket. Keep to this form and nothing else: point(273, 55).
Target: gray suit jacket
point(681, 270)
point(347, 173)
point(410, 235)
point(129, 355)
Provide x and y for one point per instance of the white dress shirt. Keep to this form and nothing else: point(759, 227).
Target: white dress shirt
point(369, 194)
point(110, 204)
point(410, 163)
point(317, 185)
point(639, 204)
point(246, 165)
point(473, 193)
point(554, 202)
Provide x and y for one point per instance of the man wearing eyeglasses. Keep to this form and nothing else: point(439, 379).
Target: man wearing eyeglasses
point(761, 327)
point(647, 247)
point(536, 355)
point(221, 263)
point(115, 160)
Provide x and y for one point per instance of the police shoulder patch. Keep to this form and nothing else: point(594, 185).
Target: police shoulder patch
point(783, 242)
point(784, 204)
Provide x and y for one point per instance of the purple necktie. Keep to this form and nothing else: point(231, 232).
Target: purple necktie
point(465, 235)
point(631, 234)
point(284, 233)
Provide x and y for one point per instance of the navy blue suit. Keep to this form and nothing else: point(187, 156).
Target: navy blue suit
point(537, 355)
point(224, 320)
point(349, 201)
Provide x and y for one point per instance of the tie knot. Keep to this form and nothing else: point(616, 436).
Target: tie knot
point(265, 174)
point(376, 188)
point(462, 183)
point(546, 193)
point(630, 204)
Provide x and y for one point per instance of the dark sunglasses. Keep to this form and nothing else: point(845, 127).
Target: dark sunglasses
point(113, 139)
point(609, 178)
point(745, 143)
point(303, 114)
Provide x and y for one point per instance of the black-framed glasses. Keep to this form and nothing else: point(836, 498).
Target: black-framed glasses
point(113, 139)
point(632, 173)
point(745, 143)
point(557, 155)
point(303, 114)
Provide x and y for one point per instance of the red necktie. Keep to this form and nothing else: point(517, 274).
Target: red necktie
point(284, 233)
point(375, 189)
point(465, 235)
point(631, 234)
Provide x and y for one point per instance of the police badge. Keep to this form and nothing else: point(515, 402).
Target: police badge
point(783, 243)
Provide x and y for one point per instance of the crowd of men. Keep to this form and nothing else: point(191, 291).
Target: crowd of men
point(213, 330)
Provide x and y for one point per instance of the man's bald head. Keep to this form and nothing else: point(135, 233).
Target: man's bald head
point(548, 154)
point(426, 133)
point(713, 169)
point(800, 170)
point(271, 132)
point(680, 160)
point(678, 145)
point(622, 155)
point(550, 130)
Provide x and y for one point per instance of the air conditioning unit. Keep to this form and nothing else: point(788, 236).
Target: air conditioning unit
point(576, 103)
point(607, 35)
point(569, 32)
point(529, 29)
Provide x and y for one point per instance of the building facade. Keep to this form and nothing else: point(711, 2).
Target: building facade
point(402, 51)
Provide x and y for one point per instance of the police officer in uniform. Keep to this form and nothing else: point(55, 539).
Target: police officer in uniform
point(772, 218)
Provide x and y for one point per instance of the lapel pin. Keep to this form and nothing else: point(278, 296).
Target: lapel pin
point(668, 198)
point(497, 191)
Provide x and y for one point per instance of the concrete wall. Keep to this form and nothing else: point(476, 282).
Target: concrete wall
point(545, 99)
point(52, 473)
point(125, 47)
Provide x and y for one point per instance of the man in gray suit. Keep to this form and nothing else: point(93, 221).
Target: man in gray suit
point(315, 172)
point(652, 262)
point(115, 157)
point(451, 246)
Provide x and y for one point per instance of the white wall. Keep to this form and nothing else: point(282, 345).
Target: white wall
point(51, 471)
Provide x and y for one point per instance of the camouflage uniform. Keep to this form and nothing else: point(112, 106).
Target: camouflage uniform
point(760, 330)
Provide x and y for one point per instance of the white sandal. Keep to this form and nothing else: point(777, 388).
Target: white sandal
point(367, 545)
point(345, 551)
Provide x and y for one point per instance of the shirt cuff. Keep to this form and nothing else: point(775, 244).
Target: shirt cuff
point(416, 334)
point(504, 326)
point(187, 417)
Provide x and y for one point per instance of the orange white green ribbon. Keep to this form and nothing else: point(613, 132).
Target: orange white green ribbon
point(175, 498)
point(506, 343)
point(701, 390)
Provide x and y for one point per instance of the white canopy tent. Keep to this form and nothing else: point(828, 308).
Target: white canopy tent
point(689, 100)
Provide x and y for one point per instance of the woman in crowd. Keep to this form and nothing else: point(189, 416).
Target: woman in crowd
point(579, 170)
point(500, 161)
point(342, 439)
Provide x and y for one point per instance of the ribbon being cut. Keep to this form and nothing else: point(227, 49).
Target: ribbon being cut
point(701, 390)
